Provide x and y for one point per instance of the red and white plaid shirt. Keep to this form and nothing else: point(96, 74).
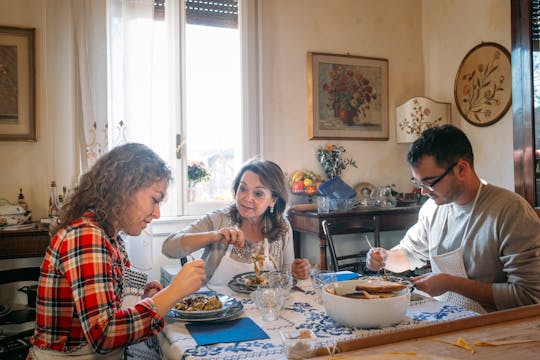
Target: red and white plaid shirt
point(79, 293)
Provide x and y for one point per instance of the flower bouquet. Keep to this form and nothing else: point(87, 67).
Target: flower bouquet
point(197, 173)
point(331, 160)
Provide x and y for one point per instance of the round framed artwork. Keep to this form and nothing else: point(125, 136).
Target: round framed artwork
point(483, 85)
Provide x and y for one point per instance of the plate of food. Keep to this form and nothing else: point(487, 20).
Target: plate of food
point(248, 281)
point(230, 308)
point(203, 304)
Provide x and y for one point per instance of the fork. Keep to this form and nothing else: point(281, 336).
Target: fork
point(205, 284)
point(372, 248)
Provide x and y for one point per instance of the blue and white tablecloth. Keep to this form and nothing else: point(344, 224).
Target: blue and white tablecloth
point(300, 312)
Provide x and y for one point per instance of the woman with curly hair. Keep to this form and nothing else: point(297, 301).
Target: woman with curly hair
point(255, 220)
point(85, 274)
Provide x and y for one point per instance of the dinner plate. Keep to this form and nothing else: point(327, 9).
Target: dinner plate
point(234, 308)
point(240, 288)
point(226, 300)
point(241, 283)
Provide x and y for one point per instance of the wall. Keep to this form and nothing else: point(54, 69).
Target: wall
point(32, 165)
point(467, 24)
point(382, 29)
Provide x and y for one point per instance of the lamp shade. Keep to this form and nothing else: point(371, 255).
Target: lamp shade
point(418, 114)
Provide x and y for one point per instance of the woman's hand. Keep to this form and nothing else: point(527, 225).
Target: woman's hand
point(189, 279)
point(151, 288)
point(376, 258)
point(300, 268)
point(231, 235)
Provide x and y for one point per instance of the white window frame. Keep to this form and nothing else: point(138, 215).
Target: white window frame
point(248, 24)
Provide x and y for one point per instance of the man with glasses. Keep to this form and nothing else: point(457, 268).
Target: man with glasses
point(482, 241)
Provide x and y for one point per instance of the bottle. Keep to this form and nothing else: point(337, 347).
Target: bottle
point(21, 201)
point(54, 206)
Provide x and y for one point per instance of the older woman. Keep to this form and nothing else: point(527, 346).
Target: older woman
point(255, 221)
point(86, 274)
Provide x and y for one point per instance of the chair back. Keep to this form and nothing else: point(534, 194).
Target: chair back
point(355, 260)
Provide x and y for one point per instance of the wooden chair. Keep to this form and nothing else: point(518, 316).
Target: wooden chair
point(355, 261)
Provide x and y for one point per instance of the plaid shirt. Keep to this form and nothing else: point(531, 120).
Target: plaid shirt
point(79, 294)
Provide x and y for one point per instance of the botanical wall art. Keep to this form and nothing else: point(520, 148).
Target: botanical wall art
point(17, 88)
point(347, 97)
point(483, 87)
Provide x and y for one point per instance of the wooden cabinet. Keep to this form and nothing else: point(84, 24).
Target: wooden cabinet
point(310, 222)
point(24, 243)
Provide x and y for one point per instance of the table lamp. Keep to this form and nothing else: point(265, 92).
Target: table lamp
point(418, 114)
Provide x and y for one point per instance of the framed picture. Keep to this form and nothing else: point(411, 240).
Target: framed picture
point(347, 97)
point(17, 84)
point(483, 85)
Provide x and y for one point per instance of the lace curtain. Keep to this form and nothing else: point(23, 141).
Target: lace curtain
point(91, 80)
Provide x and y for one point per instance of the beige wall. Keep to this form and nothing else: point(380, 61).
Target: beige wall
point(32, 165)
point(423, 57)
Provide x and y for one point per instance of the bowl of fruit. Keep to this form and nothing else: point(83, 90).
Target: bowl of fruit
point(304, 182)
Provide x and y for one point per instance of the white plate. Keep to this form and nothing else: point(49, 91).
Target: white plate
point(233, 310)
point(227, 301)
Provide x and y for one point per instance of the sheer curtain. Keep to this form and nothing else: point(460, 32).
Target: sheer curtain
point(143, 80)
point(91, 80)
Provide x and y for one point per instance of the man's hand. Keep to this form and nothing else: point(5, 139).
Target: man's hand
point(376, 258)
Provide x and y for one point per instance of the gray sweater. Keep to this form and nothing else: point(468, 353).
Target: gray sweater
point(502, 244)
point(213, 253)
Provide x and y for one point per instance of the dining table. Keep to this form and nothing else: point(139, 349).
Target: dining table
point(301, 311)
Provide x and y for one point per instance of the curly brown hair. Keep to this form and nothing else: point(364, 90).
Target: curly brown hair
point(273, 178)
point(108, 186)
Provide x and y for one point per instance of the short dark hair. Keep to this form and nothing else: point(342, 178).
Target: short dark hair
point(446, 143)
point(273, 178)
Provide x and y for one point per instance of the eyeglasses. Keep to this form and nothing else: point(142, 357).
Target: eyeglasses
point(430, 186)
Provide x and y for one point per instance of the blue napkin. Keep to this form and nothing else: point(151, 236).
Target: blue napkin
point(242, 329)
point(346, 275)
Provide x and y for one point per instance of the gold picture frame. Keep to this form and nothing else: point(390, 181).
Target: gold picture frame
point(17, 84)
point(347, 97)
point(483, 84)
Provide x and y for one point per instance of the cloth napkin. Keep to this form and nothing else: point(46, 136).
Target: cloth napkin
point(241, 329)
point(346, 275)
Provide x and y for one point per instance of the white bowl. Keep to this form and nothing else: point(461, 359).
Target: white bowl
point(363, 313)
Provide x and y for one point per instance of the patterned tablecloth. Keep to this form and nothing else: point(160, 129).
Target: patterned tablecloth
point(300, 312)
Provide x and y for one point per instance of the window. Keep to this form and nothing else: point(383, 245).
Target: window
point(183, 80)
point(213, 101)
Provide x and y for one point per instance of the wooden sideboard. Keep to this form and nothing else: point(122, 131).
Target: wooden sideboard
point(24, 243)
point(310, 222)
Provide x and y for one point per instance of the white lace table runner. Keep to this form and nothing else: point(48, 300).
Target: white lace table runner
point(300, 312)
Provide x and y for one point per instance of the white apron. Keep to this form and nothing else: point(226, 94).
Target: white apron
point(228, 267)
point(133, 283)
point(452, 263)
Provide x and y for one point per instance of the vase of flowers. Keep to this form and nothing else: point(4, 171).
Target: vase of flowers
point(331, 160)
point(197, 173)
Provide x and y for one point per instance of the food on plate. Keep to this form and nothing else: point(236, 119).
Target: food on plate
point(199, 302)
point(379, 286)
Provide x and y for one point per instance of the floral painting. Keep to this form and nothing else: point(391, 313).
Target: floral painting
point(348, 97)
point(483, 86)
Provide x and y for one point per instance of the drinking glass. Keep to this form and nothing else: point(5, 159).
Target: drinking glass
point(268, 299)
point(323, 204)
point(320, 278)
point(283, 279)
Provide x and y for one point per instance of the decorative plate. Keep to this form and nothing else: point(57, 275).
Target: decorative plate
point(226, 300)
